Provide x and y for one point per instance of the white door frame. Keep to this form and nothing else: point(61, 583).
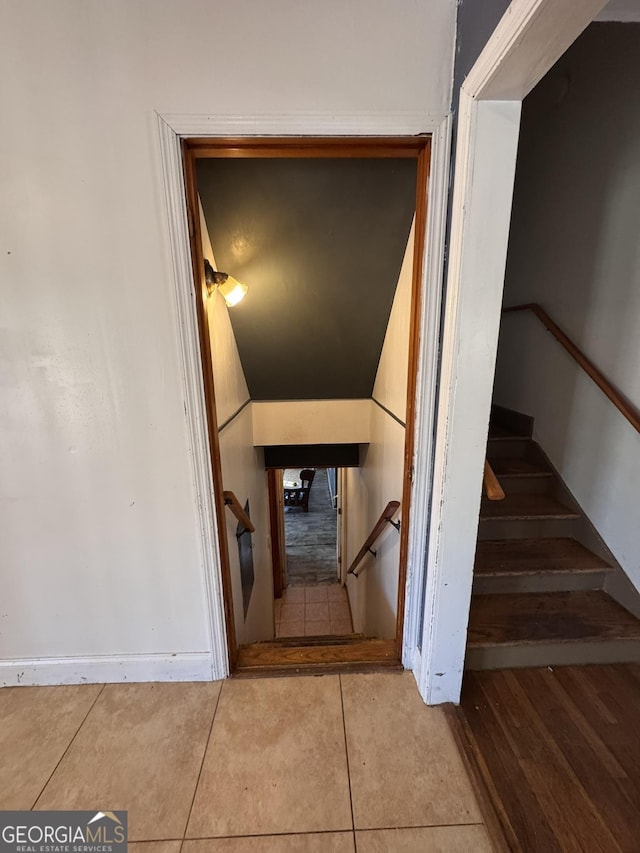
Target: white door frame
point(529, 39)
point(172, 128)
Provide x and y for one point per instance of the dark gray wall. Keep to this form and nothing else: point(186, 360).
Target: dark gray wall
point(573, 243)
point(320, 244)
point(476, 20)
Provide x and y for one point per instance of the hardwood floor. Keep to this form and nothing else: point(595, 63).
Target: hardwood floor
point(559, 752)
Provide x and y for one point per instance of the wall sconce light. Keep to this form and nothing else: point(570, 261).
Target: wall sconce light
point(231, 290)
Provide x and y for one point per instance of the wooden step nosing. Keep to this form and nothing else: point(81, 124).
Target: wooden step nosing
point(559, 640)
point(546, 572)
point(529, 517)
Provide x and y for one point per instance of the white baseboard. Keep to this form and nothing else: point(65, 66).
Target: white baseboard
point(101, 669)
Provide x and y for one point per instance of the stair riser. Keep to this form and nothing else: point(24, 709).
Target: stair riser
point(552, 654)
point(508, 448)
point(528, 528)
point(541, 582)
point(527, 485)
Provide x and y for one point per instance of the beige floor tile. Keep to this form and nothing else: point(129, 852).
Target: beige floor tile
point(317, 629)
point(140, 749)
point(290, 629)
point(404, 766)
point(341, 626)
point(38, 724)
point(433, 839)
point(316, 611)
point(292, 613)
point(293, 595)
point(336, 592)
point(154, 847)
point(321, 842)
point(315, 593)
point(276, 760)
point(339, 610)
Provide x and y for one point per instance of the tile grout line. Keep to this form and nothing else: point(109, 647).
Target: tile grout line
point(69, 745)
point(419, 826)
point(346, 754)
point(204, 755)
point(265, 835)
point(312, 832)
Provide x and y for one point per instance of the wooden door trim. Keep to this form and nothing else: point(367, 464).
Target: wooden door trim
point(419, 148)
point(310, 147)
point(201, 296)
point(422, 184)
point(276, 529)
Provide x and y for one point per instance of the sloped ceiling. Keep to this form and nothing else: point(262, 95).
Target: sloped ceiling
point(320, 244)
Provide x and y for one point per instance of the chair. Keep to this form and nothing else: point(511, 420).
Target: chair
point(300, 496)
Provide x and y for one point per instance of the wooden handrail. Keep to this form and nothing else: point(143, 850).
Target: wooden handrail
point(389, 511)
point(622, 404)
point(235, 506)
point(492, 488)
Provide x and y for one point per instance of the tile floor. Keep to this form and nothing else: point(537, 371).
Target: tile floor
point(311, 611)
point(328, 764)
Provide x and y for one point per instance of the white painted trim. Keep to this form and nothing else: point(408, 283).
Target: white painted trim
point(305, 124)
point(426, 385)
point(195, 407)
point(106, 669)
point(488, 146)
point(176, 125)
point(528, 40)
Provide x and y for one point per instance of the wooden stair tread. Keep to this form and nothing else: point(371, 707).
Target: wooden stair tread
point(525, 506)
point(507, 467)
point(500, 557)
point(561, 617)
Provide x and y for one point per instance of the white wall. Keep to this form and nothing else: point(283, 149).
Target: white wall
point(311, 422)
point(574, 249)
point(100, 540)
point(374, 594)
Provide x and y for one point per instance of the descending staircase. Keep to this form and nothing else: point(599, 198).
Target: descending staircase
point(540, 570)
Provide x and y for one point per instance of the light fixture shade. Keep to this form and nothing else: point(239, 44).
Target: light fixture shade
point(232, 291)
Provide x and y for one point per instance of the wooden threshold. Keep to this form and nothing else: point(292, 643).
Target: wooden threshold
point(316, 656)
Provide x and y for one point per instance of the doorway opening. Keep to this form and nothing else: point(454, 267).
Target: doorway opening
point(257, 404)
point(310, 598)
point(311, 526)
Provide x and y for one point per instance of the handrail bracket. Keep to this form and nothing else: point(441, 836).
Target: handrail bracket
point(387, 516)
